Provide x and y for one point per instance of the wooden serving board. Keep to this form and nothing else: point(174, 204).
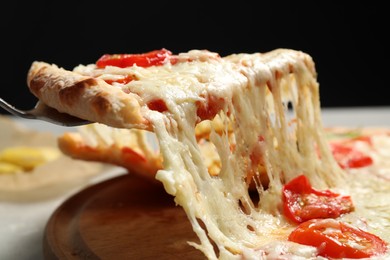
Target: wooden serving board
point(123, 218)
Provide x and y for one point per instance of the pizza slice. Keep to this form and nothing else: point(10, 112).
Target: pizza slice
point(115, 92)
point(128, 148)
point(133, 149)
point(241, 148)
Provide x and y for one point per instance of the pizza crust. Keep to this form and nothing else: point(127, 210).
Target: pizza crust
point(132, 158)
point(85, 97)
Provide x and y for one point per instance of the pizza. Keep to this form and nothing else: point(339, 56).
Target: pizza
point(241, 147)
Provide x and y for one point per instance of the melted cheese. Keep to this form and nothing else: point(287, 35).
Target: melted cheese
point(232, 220)
point(270, 123)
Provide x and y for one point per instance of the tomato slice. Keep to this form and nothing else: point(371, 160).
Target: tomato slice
point(158, 105)
point(347, 156)
point(337, 239)
point(126, 79)
point(210, 107)
point(131, 155)
point(301, 202)
point(152, 58)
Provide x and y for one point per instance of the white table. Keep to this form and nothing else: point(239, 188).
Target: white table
point(22, 224)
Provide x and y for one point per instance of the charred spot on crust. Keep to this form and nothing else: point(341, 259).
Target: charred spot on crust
point(36, 82)
point(101, 104)
point(71, 95)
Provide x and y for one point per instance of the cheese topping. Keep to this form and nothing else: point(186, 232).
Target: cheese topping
point(268, 128)
point(232, 220)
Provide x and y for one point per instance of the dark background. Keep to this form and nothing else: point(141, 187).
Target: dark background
point(346, 41)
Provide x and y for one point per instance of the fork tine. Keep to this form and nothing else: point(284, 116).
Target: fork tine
point(13, 110)
point(45, 113)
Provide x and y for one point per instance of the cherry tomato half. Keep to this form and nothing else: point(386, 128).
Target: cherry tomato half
point(336, 239)
point(301, 202)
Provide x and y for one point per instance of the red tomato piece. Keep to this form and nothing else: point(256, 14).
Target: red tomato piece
point(124, 80)
point(131, 155)
point(336, 239)
point(152, 58)
point(301, 202)
point(347, 156)
point(256, 156)
point(210, 107)
point(158, 105)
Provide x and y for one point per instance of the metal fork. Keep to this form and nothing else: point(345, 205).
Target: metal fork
point(45, 113)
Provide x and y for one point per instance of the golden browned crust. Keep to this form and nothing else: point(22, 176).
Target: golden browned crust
point(85, 97)
point(135, 162)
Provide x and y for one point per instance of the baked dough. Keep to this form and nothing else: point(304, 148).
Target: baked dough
point(84, 96)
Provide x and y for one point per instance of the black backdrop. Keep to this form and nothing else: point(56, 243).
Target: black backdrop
point(347, 42)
